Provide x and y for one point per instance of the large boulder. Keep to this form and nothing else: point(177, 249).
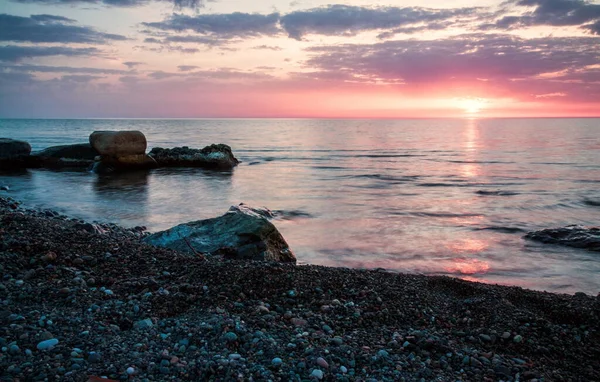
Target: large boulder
point(118, 143)
point(242, 233)
point(13, 153)
point(77, 155)
point(120, 151)
point(573, 236)
point(213, 156)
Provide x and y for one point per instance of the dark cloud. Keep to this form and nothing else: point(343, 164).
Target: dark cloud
point(48, 28)
point(415, 29)
point(467, 61)
point(119, 3)
point(221, 25)
point(132, 64)
point(152, 40)
point(346, 20)
point(14, 53)
point(554, 13)
point(60, 69)
point(186, 68)
point(332, 20)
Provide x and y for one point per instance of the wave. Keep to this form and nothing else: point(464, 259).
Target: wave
point(502, 229)
point(291, 214)
point(591, 202)
point(496, 193)
point(445, 214)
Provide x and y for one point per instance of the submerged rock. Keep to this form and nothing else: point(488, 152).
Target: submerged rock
point(120, 151)
point(77, 155)
point(242, 233)
point(13, 153)
point(214, 156)
point(573, 236)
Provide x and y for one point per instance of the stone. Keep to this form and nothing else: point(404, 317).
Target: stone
point(242, 233)
point(214, 156)
point(277, 362)
point(78, 155)
point(143, 324)
point(321, 362)
point(13, 153)
point(118, 143)
point(230, 337)
point(517, 339)
point(48, 344)
point(316, 374)
point(576, 236)
point(120, 151)
point(107, 165)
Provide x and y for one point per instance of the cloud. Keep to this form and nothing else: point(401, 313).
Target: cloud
point(48, 28)
point(506, 63)
point(14, 53)
point(81, 78)
point(118, 3)
point(60, 69)
point(132, 64)
point(228, 26)
point(267, 47)
point(347, 20)
point(579, 13)
point(186, 68)
point(331, 20)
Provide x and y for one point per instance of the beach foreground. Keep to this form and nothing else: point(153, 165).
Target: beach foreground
point(80, 301)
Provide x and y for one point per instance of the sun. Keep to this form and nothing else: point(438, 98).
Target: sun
point(472, 105)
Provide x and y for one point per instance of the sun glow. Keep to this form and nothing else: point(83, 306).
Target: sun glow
point(472, 105)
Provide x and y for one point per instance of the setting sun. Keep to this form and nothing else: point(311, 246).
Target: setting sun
point(472, 105)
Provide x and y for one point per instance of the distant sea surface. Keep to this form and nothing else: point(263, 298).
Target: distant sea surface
point(450, 197)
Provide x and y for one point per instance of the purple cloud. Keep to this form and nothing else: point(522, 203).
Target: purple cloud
point(48, 28)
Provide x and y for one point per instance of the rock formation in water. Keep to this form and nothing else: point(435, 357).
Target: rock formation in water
point(13, 153)
point(243, 233)
point(213, 156)
point(121, 151)
point(79, 155)
point(573, 236)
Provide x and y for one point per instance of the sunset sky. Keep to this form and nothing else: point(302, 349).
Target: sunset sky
point(306, 58)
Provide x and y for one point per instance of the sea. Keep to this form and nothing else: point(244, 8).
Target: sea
point(429, 196)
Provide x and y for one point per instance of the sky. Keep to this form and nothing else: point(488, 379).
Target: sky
point(302, 58)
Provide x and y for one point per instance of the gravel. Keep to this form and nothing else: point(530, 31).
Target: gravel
point(172, 317)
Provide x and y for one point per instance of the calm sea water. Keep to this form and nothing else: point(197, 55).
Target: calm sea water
point(447, 197)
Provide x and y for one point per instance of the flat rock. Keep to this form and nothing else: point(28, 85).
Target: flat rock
point(573, 236)
point(77, 155)
point(214, 156)
point(242, 233)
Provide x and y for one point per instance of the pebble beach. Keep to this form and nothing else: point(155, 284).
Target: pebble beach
point(89, 302)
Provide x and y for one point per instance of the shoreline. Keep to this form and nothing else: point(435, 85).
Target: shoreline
point(125, 310)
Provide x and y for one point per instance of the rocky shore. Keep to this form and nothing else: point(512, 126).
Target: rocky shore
point(83, 301)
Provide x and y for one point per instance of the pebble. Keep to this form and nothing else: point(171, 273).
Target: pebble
point(321, 362)
point(143, 324)
point(343, 369)
point(48, 344)
point(517, 339)
point(277, 362)
point(316, 373)
point(130, 371)
point(230, 337)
